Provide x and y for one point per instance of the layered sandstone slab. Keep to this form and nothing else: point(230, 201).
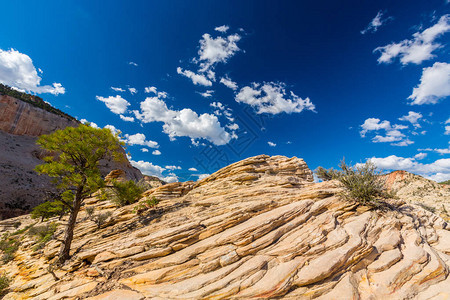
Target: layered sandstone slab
point(259, 228)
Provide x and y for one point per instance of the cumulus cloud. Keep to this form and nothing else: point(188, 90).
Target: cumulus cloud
point(92, 124)
point(185, 122)
point(207, 94)
point(438, 170)
point(117, 89)
point(223, 28)
point(193, 169)
point(173, 168)
point(392, 133)
point(413, 118)
point(150, 89)
point(148, 168)
point(447, 128)
point(197, 79)
point(272, 144)
point(132, 90)
point(272, 98)
point(202, 176)
point(417, 49)
point(229, 83)
point(156, 152)
point(434, 85)
point(117, 104)
point(140, 139)
point(376, 22)
point(127, 119)
point(420, 156)
point(170, 178)
point(144, 149)
point(17, 70)
point(215, 50)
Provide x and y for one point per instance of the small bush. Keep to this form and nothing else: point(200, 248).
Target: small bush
point(43, 234)
point(101, 218)
point(427, 207)
point(125, 193)
point(362, 183)
point(90, 212)
point(146, 204)
point(5, 281)
point(9, 246)
point(325, 174)
point(48, 210)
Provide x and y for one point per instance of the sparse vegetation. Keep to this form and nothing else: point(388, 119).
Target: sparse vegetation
point(49, 209)
point(445, 182)
point(125, 192)
point(9, 245)
point(89, 211)
point(43, 234)
point(361, 183)
point(326, 174)
point(144, 205)
point(101, 218)
point(5, 281)
point(427, 207)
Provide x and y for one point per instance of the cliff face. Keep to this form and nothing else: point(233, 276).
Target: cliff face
point(257, 229)
point(21, 188)
point(21, 118)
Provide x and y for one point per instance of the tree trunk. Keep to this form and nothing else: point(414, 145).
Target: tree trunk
point(64, 252)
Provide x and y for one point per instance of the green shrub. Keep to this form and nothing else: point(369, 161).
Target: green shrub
point(48, 210)
point(9, 246)
point(427, 207)
point(5, 281)
point(43, 234)
point(146, 204)
point(89, 211)
point(325, 174)
point(101, 218)
point(125, 193)
point(362, 183)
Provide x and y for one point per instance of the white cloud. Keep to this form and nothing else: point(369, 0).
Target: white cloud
point(272, 144)
point(376, 23)
point(150, 89)
point(223, 28)
point(417, 49)
point(173, 168)
point(170, 178)
point(185, 122)
point(144, 149)
point(193, 169)
point(117, 104)
point(207, 94)
point(196, 78)
point(272, 98)
point(17, 70)
point(413, 118)
point(92, 124)
point(436, 170)
point(140, 139)
point(420, 156)
point(127, 119)
point(447, 128)
point(117, 89)
point(434, 85)
point(392, 135)
point(202, 176)
point(229, 83)
point(113, 129)
point(156, 152)
point(132, 64)
point(233, 126)
point(132, 90)
point(148, 168)
point(215, 50)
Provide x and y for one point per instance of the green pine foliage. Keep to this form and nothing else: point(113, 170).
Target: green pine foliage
point(125, 192)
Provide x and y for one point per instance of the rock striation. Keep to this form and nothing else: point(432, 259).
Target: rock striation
point(20, 124)
point(259, 228)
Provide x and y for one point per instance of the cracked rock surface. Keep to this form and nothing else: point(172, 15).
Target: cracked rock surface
point(259, 228)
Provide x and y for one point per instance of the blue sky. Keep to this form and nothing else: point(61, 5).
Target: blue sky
point(201, 84)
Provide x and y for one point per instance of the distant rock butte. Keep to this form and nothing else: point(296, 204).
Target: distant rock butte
point(21, 188)
point(259, 228)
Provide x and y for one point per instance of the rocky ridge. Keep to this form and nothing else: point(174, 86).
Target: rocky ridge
point(259, 228)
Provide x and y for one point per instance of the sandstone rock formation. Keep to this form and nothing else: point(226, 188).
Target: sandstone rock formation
point(20, 123)
point(259, 228)
point(416, 189)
